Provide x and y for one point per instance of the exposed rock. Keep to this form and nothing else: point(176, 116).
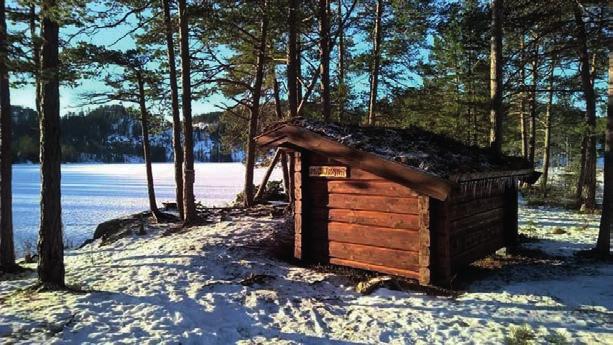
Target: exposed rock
point(115, 229)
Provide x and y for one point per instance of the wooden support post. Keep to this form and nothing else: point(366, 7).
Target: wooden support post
point(291, 169)
point(271, 167)
point(440, 266)
point(424, 239)
point(300, 239)
point(511, 233)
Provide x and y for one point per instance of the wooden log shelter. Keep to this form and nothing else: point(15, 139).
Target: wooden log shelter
point(405, 202)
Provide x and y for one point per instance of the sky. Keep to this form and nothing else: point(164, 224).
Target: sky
point(71, 99)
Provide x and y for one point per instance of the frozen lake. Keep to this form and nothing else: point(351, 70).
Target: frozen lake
point(93, 193)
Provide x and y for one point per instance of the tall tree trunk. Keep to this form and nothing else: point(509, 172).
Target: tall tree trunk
point(588, 201)
point(7, 247)
point(35, 54)
point(50, 244)
point(176, 119)
point(144, 119)
point(581, 178)
point(547, 144)
point(374, 70)
point(496, 77)
point(522, 102)
point(324, 56)
point(603, 244)
point(299, 95)
point(292, 56)
point(255, 106)
point(279, 112)
point(189, 202)
point(342, 88)
point(533, 106)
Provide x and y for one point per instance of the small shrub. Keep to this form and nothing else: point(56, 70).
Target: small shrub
point(28, 249)
point(520, 335)
point(558, 231)
point(530, 227)
point(557, 338)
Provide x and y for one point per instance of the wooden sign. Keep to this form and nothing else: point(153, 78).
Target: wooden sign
point(327, 171)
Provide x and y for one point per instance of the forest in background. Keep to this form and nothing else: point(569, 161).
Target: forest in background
point(111, 134)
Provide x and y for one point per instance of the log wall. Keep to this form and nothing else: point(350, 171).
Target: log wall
point(361, 221)
point(367, 222)
point(478, 224)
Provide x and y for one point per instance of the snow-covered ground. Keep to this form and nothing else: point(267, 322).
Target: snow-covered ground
point(186, 289)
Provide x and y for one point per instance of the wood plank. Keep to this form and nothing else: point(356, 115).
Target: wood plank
point(370, 267)
point(472, 207)
point(363, 202)
point(424, 239)
point(510, 218)
point(480, 235)
point(363, 187)
point(373, 218)
point(478, 252)
point(367, 235)
point(354, 173)
point(292, 178)
point(300, 242)
point(466, 223)
point(374, 255)
point(440, 262)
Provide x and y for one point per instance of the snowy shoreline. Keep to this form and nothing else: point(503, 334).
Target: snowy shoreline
point(187, 288)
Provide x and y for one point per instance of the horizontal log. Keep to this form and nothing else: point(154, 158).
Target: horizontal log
point(366, 235)
point(475, 220)
point(363, 187)
point(459, 260)
point(457, 211)
point(478, 236)
point(370, 267)
point(392, 258)
point(363, 202)
point(374, 218)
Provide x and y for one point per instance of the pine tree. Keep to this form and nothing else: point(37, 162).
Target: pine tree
point(496, 111)
point(7, 248)
point(587, 181)
point(376, 62)
point(144, 116)
point(255, 104)
point(324, 57)
point(189, 202)
point(292, 57)
point(174, 95)
point(50, 240)
point(603, 244)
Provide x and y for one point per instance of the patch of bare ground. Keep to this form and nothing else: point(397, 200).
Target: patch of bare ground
point(16, 273)
point(522, 264)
